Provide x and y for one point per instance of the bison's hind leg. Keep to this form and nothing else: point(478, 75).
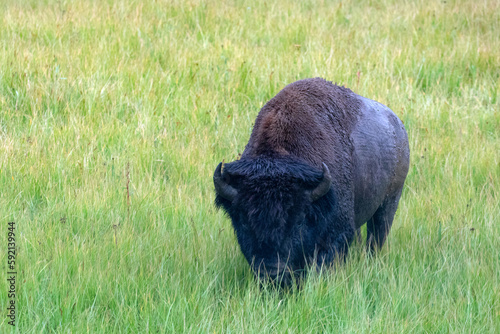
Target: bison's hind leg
point(379, 225)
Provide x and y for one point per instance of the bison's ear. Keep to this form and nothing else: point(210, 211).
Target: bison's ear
point(324, 186)
point(221, 183)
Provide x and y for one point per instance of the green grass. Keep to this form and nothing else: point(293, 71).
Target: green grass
point(98, 96)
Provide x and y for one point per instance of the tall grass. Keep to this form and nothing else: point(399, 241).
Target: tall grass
point(114, 114)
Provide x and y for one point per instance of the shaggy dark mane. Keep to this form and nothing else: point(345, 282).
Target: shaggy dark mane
point(272, 191)
point(267, 166)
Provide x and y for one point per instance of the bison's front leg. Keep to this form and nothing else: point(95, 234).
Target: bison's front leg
point(335, 247)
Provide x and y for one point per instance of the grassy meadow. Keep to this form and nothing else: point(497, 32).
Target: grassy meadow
point(114, 115)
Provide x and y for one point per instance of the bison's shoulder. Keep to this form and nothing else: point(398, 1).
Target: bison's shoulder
point(309, 119)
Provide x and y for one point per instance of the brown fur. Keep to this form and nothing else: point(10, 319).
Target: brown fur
point(304, 120)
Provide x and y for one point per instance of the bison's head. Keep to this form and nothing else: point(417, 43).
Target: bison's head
point(279, 209)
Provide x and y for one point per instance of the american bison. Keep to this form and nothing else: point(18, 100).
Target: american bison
point(321, 162)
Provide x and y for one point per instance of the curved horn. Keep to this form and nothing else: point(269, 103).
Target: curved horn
point(221, 187)
point(324, 186)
